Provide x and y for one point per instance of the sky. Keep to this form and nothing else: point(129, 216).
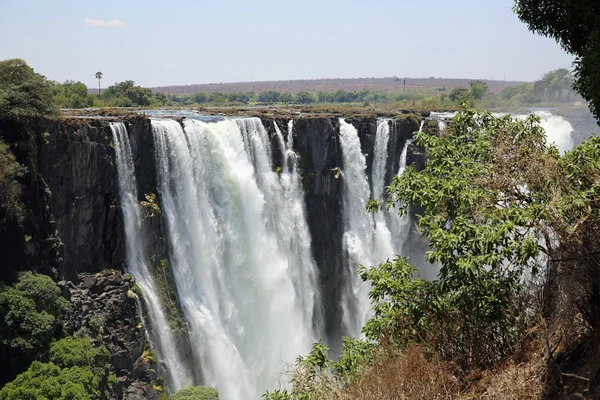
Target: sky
point(178, 42)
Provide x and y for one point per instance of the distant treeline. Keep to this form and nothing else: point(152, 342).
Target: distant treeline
point(553, 87)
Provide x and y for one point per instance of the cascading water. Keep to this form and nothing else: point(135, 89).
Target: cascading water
point(367, 239)
point(558, 130)
point(178, 375)
point(399, 225)
point(239, 249)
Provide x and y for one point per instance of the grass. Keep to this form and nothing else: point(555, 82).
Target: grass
point(409, 375)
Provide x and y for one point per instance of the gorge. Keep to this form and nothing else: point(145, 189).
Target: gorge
point(243, 234)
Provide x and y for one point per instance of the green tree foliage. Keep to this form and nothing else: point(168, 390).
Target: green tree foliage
point(128, 94)
point(10, 188)
point(268, 97)
point(196, 393)
point(478, 89)
point(99, 77)
point(162, 98)
point(30, 312)
point(485, 194)
point(575, 25)
point(23, 92)
point(304, 98)
point(316, 377)
point(286, 98)
point(71, 95)
point(76, 370)
point(521, 94)
point(459, 94)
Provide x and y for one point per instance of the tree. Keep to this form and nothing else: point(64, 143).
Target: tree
point(99, 77)
point(71, 94)
point(127, 93)
point(286, 97)
point(478, 89)
point(162, 98)
point(268, 97)
point(459, 94)
point(30, 312)
point(575, 25)
point(10, 189)
point(487, 194)
point(76, 370)
point(304, 98)
point(23, 92)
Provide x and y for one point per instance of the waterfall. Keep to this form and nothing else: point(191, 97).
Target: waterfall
point(177, 374)
point(239, 249)
point(366, 239)
point(558, 130)
point(380, 156)
point(399, 225)
point(369, 238)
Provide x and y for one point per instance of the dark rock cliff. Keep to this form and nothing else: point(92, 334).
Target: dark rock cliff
point(76, 161)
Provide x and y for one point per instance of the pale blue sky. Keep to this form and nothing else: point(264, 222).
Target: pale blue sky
point(172, 42)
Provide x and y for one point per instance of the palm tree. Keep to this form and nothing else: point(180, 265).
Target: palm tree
point(99, 77)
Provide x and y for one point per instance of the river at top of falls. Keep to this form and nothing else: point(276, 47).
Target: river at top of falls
point(239, 250)
point(178, 375)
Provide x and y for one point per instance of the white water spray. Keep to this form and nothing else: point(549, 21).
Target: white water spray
point(240, 251)
point(178, 375)
point(558, 130)
point(367, 240)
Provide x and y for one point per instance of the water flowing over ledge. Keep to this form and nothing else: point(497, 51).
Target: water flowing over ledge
point(264, 226)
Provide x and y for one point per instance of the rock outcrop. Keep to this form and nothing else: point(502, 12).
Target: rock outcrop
point(105, 308)
point(77, 163)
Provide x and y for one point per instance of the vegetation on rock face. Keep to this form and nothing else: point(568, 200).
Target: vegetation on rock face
point(76, 370)
point(167, 290)
point(196, 393)
point(10, 188)
point(575, 25)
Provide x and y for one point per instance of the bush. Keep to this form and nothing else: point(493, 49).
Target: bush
point(23, 92)
point(73, 352)
point(76, 370)
point(10, 189)
point(196, 393)
point(30, 312)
